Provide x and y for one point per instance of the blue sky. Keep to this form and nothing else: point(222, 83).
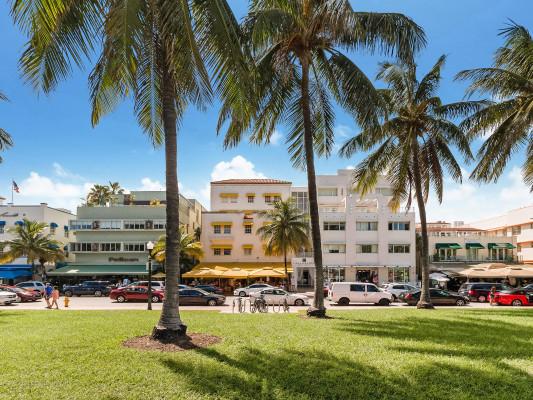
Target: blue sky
point(57, 153)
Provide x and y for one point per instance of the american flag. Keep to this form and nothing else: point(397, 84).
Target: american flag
point(16, 187)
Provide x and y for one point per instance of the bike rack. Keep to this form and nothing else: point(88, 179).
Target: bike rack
point(258, 305)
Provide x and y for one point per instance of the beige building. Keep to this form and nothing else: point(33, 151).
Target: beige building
point(111, 240)
point(455, 245)
point(518, 224)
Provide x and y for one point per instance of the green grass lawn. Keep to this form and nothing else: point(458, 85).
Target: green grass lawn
point(361, 354)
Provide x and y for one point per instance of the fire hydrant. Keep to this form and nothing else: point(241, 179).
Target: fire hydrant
point(66, 301)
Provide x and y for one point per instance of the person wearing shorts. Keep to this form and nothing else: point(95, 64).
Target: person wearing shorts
point(48, 290)
point(55, 298)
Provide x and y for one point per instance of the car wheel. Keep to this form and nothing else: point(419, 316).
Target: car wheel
point(299, 302)
point(121, 299)
point(68, 293)
point(211, 302)
point(460, 302)
point(384, 302)
point(516, 303)
point(242, 293)
point(343, 301)
point(98, 293)
point(155, 299)
point(481, 299)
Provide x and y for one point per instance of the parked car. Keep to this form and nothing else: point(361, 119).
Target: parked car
point(397, 288)
point(7, 297)
point(245, 291)
point(159, 285)
point(210, 289)
point(277, 296)
point(480, 291)
point(91, 288)
point(22, 294)
point(199, 297)
point(516, 297)
point(528, 287)
point(32, 285)
point(344, 293)
point(439, 297)
point(135, 293)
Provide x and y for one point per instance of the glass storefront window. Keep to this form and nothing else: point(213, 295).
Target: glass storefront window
point(398, 274)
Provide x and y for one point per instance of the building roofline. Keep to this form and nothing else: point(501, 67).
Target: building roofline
point(258, 181)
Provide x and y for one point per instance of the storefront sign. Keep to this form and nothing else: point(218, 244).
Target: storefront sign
point(122, 259)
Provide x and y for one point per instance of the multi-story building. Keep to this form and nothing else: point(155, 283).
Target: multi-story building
point(454, 245)
point(111, 240)
point(57, 220)
point(362, 239)
point(516, 223)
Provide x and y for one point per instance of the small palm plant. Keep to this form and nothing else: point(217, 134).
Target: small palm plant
point(287, 231)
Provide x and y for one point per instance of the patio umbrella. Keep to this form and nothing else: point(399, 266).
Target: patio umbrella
point(519, 272)
point(266, 273)
point(202, 273)
point(159, 275)
point(235, 273)
point(437, 276)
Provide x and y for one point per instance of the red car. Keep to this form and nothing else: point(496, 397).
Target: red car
point(135, 293)
point(517, 298)
point(22, 294)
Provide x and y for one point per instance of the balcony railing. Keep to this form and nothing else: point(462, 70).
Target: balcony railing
point(462, 259)
point(117, 224)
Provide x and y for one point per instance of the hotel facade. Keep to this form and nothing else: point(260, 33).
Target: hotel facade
point(362, 238)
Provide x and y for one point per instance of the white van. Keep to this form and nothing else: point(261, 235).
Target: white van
point(344, 293)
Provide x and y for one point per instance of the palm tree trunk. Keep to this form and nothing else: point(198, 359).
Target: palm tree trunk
point(425, 301)
point(170, 327)
point(318, 301)
point(286, 272)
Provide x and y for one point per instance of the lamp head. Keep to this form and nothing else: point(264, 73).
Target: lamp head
point(150, 246)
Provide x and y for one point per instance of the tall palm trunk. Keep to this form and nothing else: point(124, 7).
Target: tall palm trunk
point(170, 326)
point(318, 301)
point(287, 282)
point(425, 301)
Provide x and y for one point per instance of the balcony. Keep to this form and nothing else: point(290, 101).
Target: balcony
point(117, 225)
point(525, 236)
point(465, 260)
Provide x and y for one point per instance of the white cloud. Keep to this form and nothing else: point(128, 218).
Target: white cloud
point(276, 138)
point(238, 168)
point(62, 172)
point(151, 185)
point(350, 167)
point(343, 131)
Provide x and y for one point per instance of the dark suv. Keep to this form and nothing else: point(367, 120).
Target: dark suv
point(480, 291)
point(92, 288)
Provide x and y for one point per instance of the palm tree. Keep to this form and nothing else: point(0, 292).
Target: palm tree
point(158, 52)
point(115, 188)
point(31, 242)
point(5, 139)
point(189, 247)
point(412, 146)
point(510, 81)
point(300, 70)
point(286, 231)
point(99, 195)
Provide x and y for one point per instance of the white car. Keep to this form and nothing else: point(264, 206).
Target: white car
point(245, 291)
point(36, 286)
point(344, 293)
point(158, 285)
point(278, 296)
point(7, 297)
point(398, 288)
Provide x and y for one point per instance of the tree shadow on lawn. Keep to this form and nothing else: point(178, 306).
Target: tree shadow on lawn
point(465, 335)
point(290, 374)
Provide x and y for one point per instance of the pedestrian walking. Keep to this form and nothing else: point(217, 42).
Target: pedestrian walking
point(48, 290)
point(55, 297)
point(492, 295)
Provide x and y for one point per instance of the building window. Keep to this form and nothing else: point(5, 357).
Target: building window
point(251, 199)
point(247, 251)
point(66, 232)
point(301, 201)
point(398, 226)
point(230, 199)
point(516, 230)
point(366, 226)
point(160, 225)
point(334, 226)
point(384, 191)
point(134, 247)
point(227, 229)
point(247, 229)
point(81, 247)
point(327, 191)
point(268, 199)
point(399, 274)
point(216, 229)
point(335, 248)
point(111, 225)
point(216, 252)
point(134, 225)
point(109, 247)
point(227, 252)
point(399, 248)
point(52, 230)
point(1, 228)
point(366, 248)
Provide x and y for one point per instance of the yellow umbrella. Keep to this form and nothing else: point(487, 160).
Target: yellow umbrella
point(159, 275)
point(202, 273)
point(235, 273)
point(266, 272)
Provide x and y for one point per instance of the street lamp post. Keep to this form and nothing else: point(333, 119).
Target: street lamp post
point(149, 248)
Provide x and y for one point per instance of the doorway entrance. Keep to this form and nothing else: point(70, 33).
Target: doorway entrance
point(369, 275)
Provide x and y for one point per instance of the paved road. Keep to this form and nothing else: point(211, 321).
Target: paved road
point(104, 303)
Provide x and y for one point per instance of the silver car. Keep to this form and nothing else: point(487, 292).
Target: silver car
point(278, 296)
point(248, 290)
point(398, 288)
point(7, 297)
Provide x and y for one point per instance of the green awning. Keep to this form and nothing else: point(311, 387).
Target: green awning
point(95, 270)
point(474, 246)
point(500, 246)
point(448, 246)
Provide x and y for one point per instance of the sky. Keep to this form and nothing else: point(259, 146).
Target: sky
point(58, 155)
